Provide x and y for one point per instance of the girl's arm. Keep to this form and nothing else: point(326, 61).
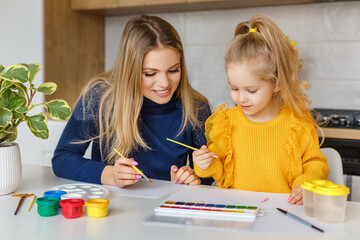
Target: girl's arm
point(314, 163)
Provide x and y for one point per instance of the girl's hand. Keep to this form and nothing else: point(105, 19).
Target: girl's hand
point(203, 158)
point(296, 196)
point(184, 175)
point(123, 173)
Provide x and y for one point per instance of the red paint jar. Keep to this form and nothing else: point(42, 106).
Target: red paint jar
point(72, 208)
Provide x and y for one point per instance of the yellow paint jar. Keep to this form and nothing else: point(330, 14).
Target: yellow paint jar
point(97, 208)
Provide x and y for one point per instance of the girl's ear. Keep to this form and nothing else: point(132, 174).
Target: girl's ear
point(276, 88)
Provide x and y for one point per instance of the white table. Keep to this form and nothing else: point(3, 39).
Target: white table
point(124, 220)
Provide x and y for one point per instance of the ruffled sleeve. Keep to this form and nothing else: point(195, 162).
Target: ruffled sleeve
point(217, 132)
point(306, 162)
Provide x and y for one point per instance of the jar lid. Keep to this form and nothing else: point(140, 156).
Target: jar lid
point(48, 201)
point(72, 202)
point(100, 202)
point(332, 190)
point(54, 193)
point(309, 185)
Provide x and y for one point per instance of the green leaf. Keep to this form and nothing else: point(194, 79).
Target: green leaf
point(34, 68)
point(47, 88)
point(21, 87)
point(37, 123)
point(24, 109)
point(13, 134)
point(58, 109)
point(16, 73)
point(5, 84)
point(17, 115)
point(1, 68)
point(43, 134)
point(5, 117)
point(15, 102)
point(6, 96)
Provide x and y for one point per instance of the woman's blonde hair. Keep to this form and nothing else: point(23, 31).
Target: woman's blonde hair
point(122, 100)
point(262, 44)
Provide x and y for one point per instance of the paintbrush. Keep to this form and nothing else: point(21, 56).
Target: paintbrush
point(185, 145)
point(136, 169)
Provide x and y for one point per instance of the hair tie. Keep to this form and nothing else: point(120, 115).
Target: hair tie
point(252, 29)
point(292, 43)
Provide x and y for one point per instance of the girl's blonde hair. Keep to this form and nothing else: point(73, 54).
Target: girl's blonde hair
point(122, 100)
point(262, 44)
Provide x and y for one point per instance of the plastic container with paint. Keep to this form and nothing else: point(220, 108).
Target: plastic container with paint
point(97, 208)
point(54, 193)
point(72, 208)
point(48, 206)
point(308, 195)
point(330, 203)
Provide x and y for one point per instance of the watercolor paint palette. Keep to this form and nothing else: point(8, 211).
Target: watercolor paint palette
point(204, 214)
point(83, 191)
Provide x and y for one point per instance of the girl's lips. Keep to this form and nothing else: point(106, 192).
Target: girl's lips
point(245, 107)
point(162, 93)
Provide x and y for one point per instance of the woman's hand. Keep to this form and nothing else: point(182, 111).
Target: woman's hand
point(203, 158)
point(296, 196)
point(121, 174)
point(184, 175)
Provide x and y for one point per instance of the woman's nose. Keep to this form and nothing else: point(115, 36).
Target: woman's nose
point(163, 81)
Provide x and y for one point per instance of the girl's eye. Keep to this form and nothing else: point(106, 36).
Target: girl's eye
point(252, 91)
point(149, 74)
point(233, 89)
point(174, 71)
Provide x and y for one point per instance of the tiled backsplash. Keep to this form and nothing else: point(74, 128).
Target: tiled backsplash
point(326, 37)
point(325, 33)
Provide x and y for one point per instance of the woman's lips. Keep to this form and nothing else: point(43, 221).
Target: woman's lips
point(162, 93)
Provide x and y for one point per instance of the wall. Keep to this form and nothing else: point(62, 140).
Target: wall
point(21, 41)
point(327, 37)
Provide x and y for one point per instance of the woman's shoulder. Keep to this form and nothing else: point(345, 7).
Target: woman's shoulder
point(87, 106)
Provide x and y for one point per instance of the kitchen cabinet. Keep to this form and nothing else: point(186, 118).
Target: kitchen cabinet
point(74, 48)
point(124, 7)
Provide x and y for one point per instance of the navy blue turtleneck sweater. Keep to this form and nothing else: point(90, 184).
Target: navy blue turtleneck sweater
point(157, 122)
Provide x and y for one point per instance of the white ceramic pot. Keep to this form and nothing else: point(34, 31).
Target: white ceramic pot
point(10, 167)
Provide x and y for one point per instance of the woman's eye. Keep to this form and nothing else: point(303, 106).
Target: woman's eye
point(149, 74)
point(252, 91)
point(174, 71)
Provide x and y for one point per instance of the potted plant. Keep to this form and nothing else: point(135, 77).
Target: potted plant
point(17, 91)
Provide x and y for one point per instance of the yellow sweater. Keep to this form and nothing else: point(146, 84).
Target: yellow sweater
point(273, 156)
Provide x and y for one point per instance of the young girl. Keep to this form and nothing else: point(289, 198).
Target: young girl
point(267, 142)
point(145, 98)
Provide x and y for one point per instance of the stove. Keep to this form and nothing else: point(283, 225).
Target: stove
point(336, 118)
point(349, 149)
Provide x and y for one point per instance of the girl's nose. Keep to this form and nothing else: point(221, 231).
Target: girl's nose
point(243, 98)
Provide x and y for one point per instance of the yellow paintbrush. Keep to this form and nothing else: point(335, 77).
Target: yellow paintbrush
point(185, 145)
point(136, 169)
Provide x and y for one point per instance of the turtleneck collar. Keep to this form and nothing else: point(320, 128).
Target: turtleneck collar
point(153, 107)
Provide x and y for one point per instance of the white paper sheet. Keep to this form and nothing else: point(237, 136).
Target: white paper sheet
point(145, 189)
point(273, 221)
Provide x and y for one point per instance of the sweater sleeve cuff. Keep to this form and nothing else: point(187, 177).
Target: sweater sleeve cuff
point(215, 170)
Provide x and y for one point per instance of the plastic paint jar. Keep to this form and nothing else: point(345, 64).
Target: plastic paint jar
point(48, 206)
point(72, 208)
point(308, 195)
point(330, 203)
point(97, 208)
point(54, 193)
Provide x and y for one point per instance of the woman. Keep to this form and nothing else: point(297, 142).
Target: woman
point(143, 99)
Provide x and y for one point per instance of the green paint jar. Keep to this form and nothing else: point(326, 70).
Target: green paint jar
point(48, 206)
